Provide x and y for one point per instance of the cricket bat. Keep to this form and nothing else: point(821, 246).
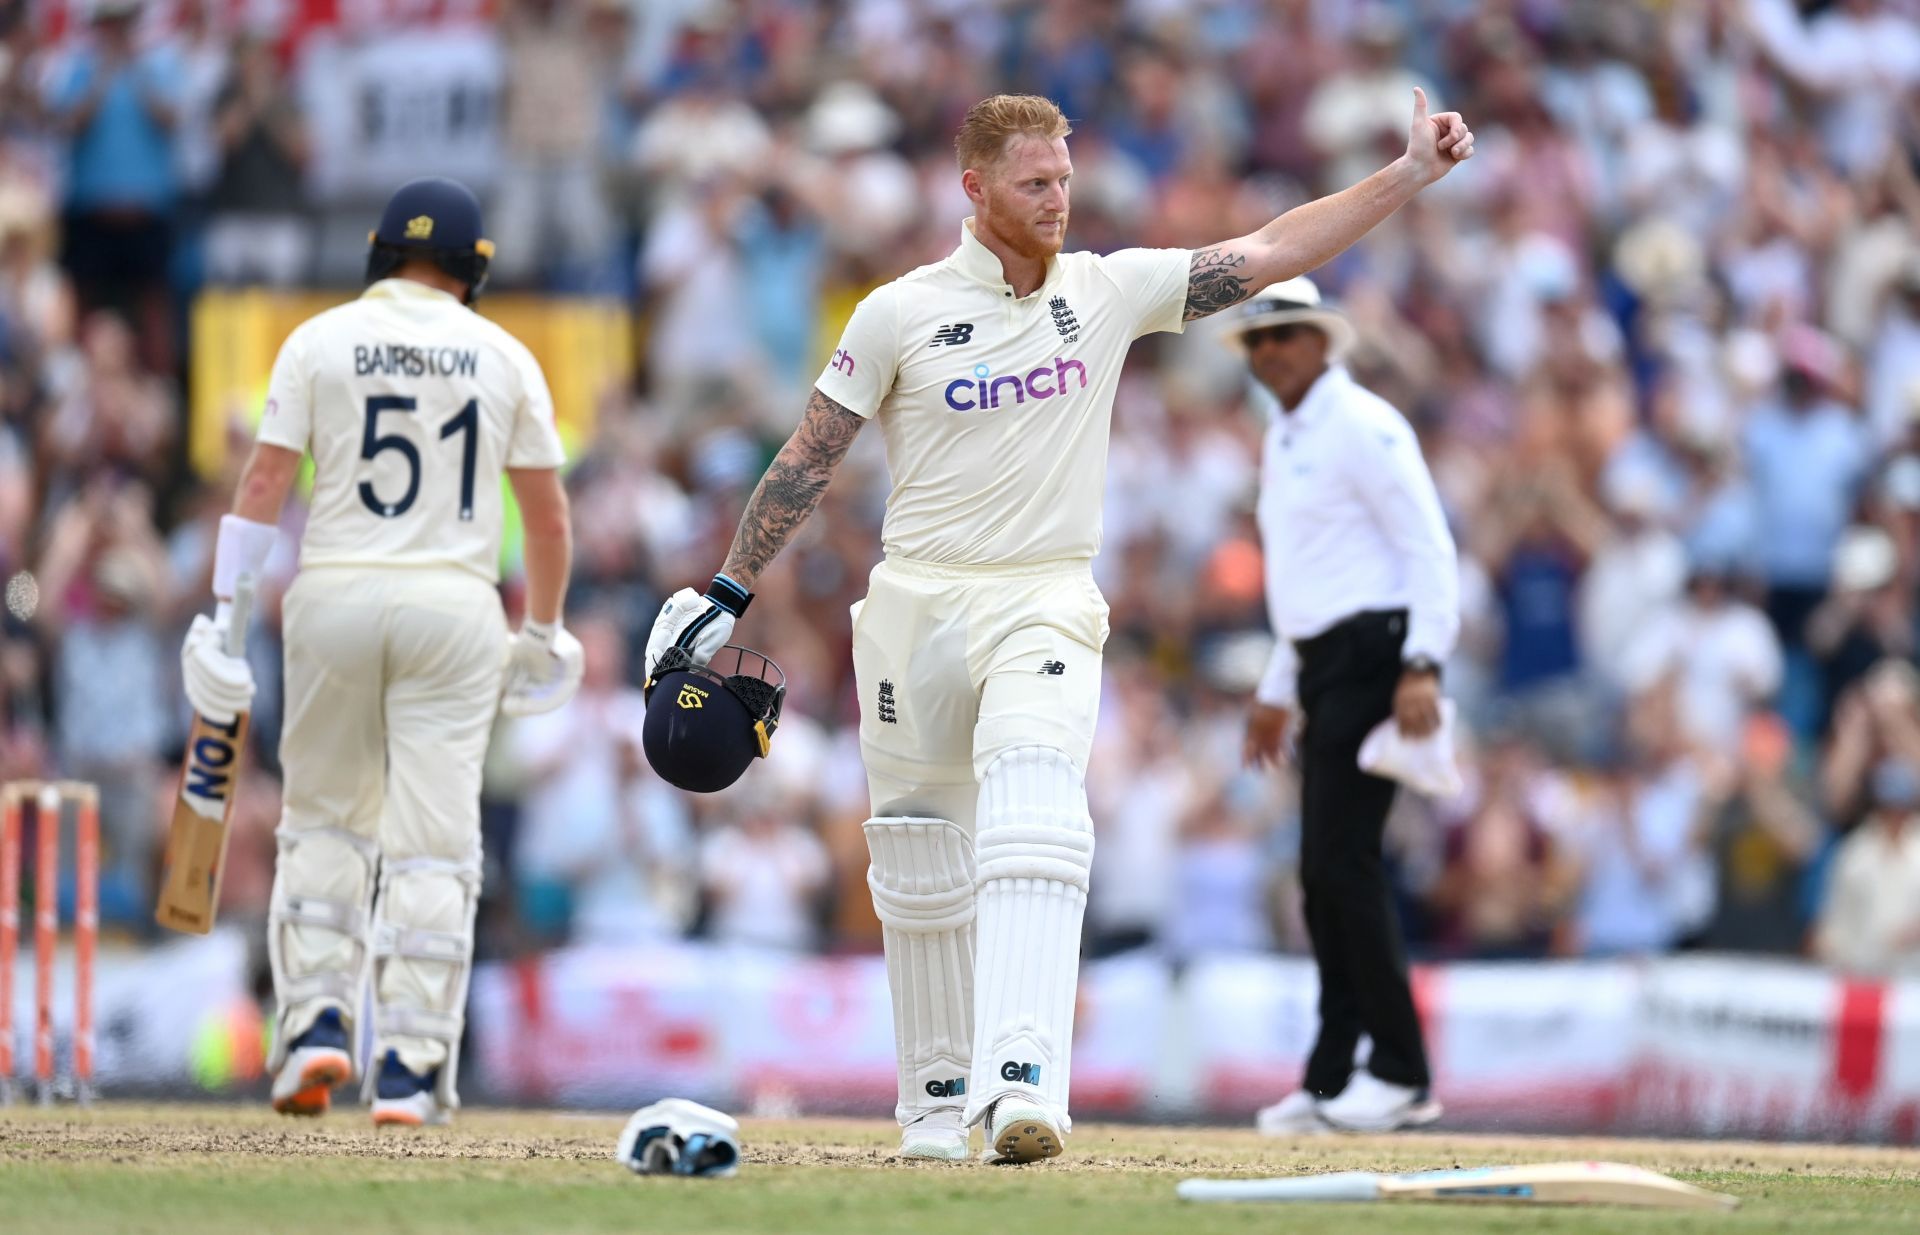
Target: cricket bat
point(209, 784)
point(1550, 1183)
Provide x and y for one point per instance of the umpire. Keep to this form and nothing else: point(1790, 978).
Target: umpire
point(1363, 593)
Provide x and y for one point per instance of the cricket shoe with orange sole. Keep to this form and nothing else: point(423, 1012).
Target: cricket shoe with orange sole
point(317, 1061)
point(403, 1098)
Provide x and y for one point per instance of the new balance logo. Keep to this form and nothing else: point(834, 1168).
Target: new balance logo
point(888, 716)
point(1053, 668)
point(952, 336)
point(955, 1088)
point(1021, 1073)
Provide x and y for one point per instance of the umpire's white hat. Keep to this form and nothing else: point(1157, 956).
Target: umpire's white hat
point(1296, 300)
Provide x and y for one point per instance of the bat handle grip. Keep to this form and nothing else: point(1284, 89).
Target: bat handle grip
point(240, 614)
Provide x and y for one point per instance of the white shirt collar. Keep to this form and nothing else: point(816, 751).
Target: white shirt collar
point(978, 262)
point(405, 289)
point(1320, 397)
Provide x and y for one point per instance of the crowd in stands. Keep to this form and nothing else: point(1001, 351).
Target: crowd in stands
point(1660, 341)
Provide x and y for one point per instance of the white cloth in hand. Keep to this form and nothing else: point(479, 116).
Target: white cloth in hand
point(678, 1137)
point(544, 664)
point(219, 686)
point(1423, 764)
point(688, 610)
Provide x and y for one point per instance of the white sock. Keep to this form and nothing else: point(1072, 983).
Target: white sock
point(922, 882)
point(1035, 849)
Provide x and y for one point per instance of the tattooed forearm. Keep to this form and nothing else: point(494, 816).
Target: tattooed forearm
point(1217, 279)
point(792, 487)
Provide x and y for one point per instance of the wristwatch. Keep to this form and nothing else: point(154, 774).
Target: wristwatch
point(1421, 664)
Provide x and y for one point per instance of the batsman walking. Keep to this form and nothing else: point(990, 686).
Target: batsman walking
point(397, 651)
point(977, 649)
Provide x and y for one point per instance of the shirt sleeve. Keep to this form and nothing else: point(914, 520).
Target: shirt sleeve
point(859, 375)
point(1279, 685)
point(535, 443)
point(287, 419)
point(1393, 480)
point(1153, 285)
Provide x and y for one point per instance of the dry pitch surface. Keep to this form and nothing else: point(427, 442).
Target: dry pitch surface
point(118, 1168)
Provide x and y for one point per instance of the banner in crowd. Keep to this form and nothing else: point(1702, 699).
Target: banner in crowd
point(168, 1019)
point(1681, 1046)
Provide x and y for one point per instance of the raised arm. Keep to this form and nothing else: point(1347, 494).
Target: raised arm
point(1308, 236)
point(781, 502)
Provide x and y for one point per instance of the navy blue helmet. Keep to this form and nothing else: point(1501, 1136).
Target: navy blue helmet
point(436, 219)
point(704, 726)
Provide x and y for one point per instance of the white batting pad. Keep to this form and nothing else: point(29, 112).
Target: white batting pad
point(317, 930)
point(422, 960)
point(922, 882)
point(1035, 851)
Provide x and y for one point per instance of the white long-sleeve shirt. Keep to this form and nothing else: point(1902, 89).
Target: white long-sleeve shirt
point(1350, 522)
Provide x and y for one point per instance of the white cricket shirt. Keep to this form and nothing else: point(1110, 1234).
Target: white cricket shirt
point(1350, 522)
point(412, 405)
point(996, 407)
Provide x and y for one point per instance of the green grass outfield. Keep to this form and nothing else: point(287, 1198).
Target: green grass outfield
point(205, 1170)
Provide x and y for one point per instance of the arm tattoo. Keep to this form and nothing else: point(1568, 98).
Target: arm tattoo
point(792, 487)
point(1214, 281)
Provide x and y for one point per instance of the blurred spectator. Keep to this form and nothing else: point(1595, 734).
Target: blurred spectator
point(1867, 617)
point(259, 232)
point(1639, 570)
point(1876, 718)
point(1505, 885)
point(1221, 885)
point(1763, 835)
point(1648, 880)
point(1870, 922)
point(603, 847)
point(1360, 110)
point(117, 105)
point(551, 218)
point(102, 579)
point(1860, 58)
point(1712, 651)
point(1807, 453)
point(1893, 365)
point(762, 871)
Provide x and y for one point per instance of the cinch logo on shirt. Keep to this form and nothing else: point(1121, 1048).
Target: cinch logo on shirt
point(982, 391)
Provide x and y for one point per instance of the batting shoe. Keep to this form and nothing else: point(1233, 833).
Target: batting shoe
point(1369, 1104)
point(1022, 1129)
point(1297, 1114)
point(940, 1135)
point(406, 1099)
point(316, 1062)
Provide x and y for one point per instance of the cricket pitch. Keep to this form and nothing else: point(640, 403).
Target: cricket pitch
point(215, 1169)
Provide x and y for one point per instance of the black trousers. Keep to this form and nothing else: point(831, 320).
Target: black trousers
point(1346, 684)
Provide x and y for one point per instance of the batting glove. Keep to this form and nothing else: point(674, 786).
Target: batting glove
point(678, 1137)
point(219, 686)
point(700, 624)
point(544, 664)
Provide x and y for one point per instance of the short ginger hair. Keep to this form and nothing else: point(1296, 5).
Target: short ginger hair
point(990, 122)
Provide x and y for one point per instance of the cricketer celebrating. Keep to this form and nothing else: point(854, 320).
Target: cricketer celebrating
point(977, 648)
point(397, 651)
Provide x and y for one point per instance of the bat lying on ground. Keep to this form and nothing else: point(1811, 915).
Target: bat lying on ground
point(209, 785)
point(1551, 1183)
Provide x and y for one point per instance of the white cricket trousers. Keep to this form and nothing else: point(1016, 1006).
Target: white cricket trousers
point(392, 681)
